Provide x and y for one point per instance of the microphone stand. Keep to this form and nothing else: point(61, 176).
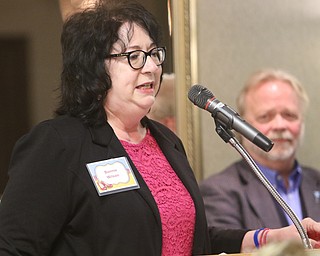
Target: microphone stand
point(227, 135)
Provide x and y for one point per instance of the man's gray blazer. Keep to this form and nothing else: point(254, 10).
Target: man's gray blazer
point(236, 198)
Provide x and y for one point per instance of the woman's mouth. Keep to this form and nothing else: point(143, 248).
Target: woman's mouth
point(145, 86)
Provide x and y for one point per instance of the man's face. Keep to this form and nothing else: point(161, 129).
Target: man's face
point(274, 109)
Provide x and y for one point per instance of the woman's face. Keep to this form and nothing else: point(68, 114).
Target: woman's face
point(132, 90)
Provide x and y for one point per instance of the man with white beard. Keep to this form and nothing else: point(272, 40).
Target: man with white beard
point(275, 103)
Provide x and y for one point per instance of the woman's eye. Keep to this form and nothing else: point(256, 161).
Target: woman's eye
point(134, 56)
point(155, 54)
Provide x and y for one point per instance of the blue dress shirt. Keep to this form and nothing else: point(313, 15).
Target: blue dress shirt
point(291, 194)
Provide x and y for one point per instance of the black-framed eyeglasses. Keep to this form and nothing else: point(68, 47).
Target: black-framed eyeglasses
point(138, 58)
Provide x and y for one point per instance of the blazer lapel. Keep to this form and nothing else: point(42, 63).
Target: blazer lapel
point(310, 190)
point(104, 136)
point(175, 157)
point(180, 165)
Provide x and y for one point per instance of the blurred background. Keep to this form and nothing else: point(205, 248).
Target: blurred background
point(234, 38)
point(30, 66)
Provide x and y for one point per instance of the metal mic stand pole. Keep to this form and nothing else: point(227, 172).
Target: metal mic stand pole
point(227, 135)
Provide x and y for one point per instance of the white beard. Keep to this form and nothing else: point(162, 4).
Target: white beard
point(280, 151)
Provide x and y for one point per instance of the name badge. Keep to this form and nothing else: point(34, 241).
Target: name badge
point(112, 176)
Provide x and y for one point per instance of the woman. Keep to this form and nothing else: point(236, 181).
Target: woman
point(101, 178)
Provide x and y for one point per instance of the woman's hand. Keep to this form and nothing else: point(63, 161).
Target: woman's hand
point(312, 228)
point(281, 234)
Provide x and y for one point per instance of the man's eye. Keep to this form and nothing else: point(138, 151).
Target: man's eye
point(290, 116)
point(263, 118)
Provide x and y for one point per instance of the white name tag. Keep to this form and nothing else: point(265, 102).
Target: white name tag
point(112, 176)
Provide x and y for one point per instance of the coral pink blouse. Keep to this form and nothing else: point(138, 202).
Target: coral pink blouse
point(176, 207)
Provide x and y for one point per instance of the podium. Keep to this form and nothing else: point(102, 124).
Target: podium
point(313, 252)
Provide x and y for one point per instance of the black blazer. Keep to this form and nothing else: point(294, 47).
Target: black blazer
point(235, 198)
point(51, 207)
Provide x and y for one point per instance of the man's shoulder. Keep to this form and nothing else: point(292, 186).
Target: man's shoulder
point(233, 172)
point(310, 171)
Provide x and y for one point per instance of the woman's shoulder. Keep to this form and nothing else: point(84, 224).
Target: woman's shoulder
point(159, 127)
point(62, 124)
point(64, 127)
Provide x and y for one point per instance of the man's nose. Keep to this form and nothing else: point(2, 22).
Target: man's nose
point(279, 122)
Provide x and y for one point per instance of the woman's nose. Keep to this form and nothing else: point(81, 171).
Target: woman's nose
point(150, 65)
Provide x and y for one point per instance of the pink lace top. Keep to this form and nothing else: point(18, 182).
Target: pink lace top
point(174, 202)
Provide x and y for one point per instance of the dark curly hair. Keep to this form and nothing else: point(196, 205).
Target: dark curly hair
point(87, 38)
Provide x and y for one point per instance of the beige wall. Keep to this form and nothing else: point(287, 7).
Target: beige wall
point(39, 21)
point(237, 37)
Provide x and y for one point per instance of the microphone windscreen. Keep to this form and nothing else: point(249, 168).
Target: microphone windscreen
point(199, 95)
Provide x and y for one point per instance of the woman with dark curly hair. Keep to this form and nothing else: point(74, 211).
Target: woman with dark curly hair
point(101, 178)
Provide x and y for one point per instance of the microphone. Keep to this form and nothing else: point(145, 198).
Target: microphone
point(230, 119)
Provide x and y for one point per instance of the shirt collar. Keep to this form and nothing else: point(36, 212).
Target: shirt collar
point(277, 181)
